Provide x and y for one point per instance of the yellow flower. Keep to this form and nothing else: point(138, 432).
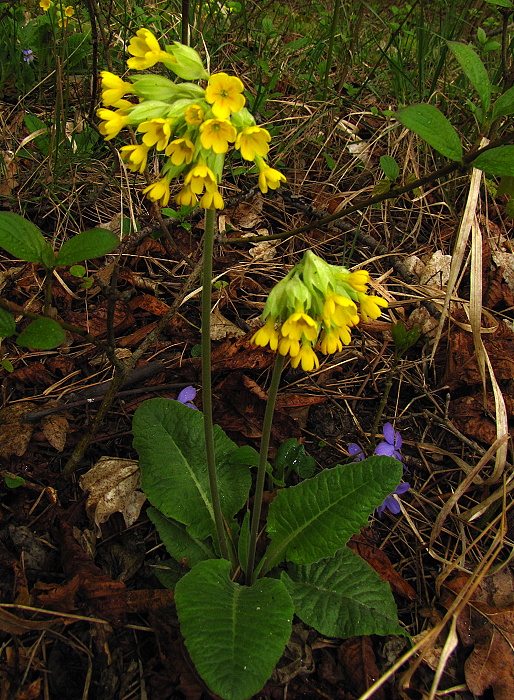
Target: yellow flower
point(199, 177)
point(267, 335)
point(186, 198)
point(193, 115)
point(340, 311)
point(135, 157)
point(369, 306)
point(307, 357)
point(212, 199)
point(216, 134)
point(299, 324)
point(113, 89)
point(224, 94)
point(358, 280)
point(146, 51)
point(289, 346)
point(253, 141)
point(333, 339)
point(181, 151)
point(269, 178)
point(45, 5)
point(112, 124)
point(69, 11)
point(159, 191)
point(156, 132)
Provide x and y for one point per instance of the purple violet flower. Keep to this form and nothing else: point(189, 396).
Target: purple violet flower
point(187, 396)
point(28, 55)
point(356, 451)
point(390, 502)
point(391, 446)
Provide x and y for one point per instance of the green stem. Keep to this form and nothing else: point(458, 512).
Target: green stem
point(263, 458)
point(382, 405)
point(208, 248)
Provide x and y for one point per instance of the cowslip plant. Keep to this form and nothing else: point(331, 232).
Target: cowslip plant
point(235, 596)
point(25, 241)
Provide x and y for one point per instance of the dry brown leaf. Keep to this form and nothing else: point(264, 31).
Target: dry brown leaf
point(113, 484)
point(222, 328)
point(55, 430)
point(12, 624)
point(358, 660)
point(15, 433)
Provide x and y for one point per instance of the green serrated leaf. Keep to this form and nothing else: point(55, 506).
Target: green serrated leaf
point(342, 597)
point(169, 438)
point(474, 70)
point(497, 161)
point(7, 324)
point(234, 634)
point(178, 542)
point(86, 246)
point(504, 105)
point(390, 167)
point(318, 516)
point(431, 124)
point(21, 238)
point(42, 334)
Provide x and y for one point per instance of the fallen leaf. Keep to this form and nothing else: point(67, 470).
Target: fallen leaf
point(113, 484)
point(222, 328)
point(377, 559)
point(149, 303)
point(15, 433)
point(487, 624)
point(357, 657)
point(34, 373)
point(12, 624)
point(55, 430)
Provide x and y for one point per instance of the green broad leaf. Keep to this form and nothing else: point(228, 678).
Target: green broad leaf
point(318, 516)
point(390, 167)
point(504, 105)
point(431, 124)
point(169, 438)
point(497, 161)
point(14, 481)
point(7, 324)
point(42, 334)
point(291, 455)
point(243, 543)
point(179, 544)
point(501, 3)
point(86, 246)
point(36, 126)
point(169, 572)
point(342, 597)
point(234, 634)
point(77, 271)
point(474, 70)
point(505, 186)
point(7, 365)
point(22, 239)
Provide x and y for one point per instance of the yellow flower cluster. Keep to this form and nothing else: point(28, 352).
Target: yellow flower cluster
point(194, 127)
point(314, 308)
point(64, 14)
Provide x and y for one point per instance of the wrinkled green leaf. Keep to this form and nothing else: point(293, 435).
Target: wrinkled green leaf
point(234, 634)
point(42, 334)
point(390, 167)
point(22, 239)
point(497, 161)
point(501, 3)
point(291, 455)
point(318, 516)
point(342, 597)
point(178, 542)
point(169, 438)
point(504, 105)
point(86, 246)
point(474, 70)
point(243, 543)
point(431, 124)
point(7, 324)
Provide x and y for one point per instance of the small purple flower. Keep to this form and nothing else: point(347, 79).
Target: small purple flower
point(28, 55)
point(356, 451)
point(390, 502)
point(391, 446)
point(187, 396)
